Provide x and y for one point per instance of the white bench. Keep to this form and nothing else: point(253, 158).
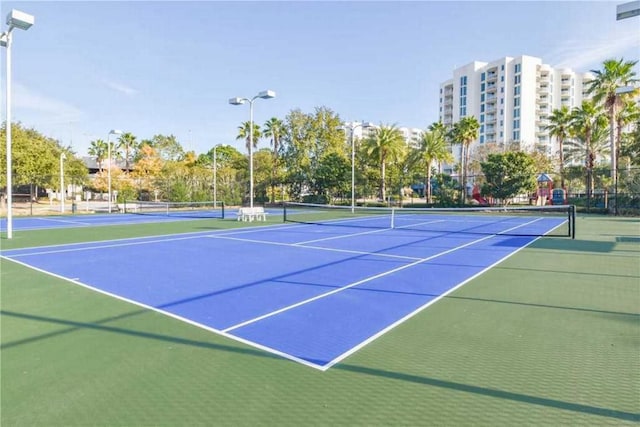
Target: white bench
point(252, 214)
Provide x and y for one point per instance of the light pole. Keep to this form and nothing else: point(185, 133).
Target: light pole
point(111, 132)
point(23, 21)
point(352, 127)
point(62, 192)
point(215, 176)
point(265, 94)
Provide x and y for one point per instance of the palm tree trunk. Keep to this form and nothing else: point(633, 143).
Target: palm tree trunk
point(560, 143)
point(383, 191)
point(428, 184)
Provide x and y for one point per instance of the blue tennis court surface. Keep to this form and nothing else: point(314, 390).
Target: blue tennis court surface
point(310, 293)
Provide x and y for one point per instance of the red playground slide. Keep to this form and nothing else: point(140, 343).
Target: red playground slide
point(478, 198)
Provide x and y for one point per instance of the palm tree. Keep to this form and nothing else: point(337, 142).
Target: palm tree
point(604, 87)
point(559, 127)
point(432, 147)
point(384, 144)
point(98, 149)
point(245, 134)
point(464, 133)
point(127, 143)
point(584, 121)
point(274, 129)
point(440, 129)
point(629, 113)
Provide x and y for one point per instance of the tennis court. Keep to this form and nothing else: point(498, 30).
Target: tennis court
point(141, 212)
point(548, 336)
point(313, 292)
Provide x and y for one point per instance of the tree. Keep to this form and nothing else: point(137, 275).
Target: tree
point(384, 145)
point(98, 149)
point(274, 129)
point(331, 176)
point(245, 134)
point(585, 120)
point(604, 88)
point(432, 147)
point(127, 143)
point(464, 133)
point(508, 174)
point(147, 169)
point(559, 127)
point(440, 129)
point(167, 147)
point(630, 113)
point(306, 140)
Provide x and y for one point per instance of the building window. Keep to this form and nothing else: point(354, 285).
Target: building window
point(481, 118)
point(516, 79)
point(482, 87)
point(482, 97)
point(516, 112)
point(518, 68)
point(463, 81)
point(516, 124)
point(502, 67)
point(482, 108)
point(516, 102)
point(516, 135)
point(516, 90)
point(481, 139)
point(501, 78)
point(483, 76)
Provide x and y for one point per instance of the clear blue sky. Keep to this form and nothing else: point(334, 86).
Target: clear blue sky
point(170, 67)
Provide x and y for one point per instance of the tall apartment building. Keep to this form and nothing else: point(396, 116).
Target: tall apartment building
point(511, 98)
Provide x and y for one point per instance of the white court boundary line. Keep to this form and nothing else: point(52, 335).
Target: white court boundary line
point(169, 314)
point(224, 333)
point(66, 221)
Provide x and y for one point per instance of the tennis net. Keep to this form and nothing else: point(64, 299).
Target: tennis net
point(176, 209)
point(535, 221)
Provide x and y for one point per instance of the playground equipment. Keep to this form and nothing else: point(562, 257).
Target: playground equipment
point(477, 197)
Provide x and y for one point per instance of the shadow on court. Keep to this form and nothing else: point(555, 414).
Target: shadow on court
point(573, 245)
point(364, 370)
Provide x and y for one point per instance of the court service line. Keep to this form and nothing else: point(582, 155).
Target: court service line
point(368, 279)
point(320, 248)
point(63, 221)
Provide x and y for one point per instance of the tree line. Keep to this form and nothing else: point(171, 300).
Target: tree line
point(309, 156)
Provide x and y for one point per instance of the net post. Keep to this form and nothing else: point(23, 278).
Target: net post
point(572, 221)
point(222, 208)
point(393, 217)
point(284, 211)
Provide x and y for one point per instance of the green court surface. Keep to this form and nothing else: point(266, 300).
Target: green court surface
point(550, 336)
